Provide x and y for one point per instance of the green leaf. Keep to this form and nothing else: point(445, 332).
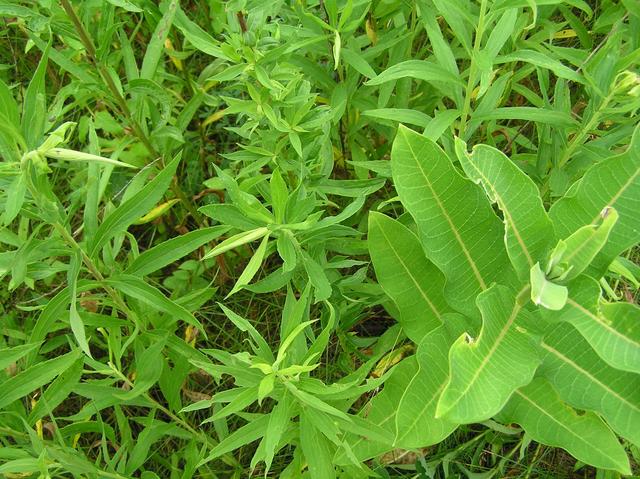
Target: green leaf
point(149, 365)
point(197, 36)
point(236, 240)
point(137, 288)
point(278, 422)
point(402, 115)
point(135, 207)
point(9, 356)
point(559, 119)
point(545, 292)
point(252, 267)
point(484, 371)
point(75, 321)
point(413, 283)
point(610, 183)
point(261, 346)
point(612, 330)
point(585, 243)
point(238, 438)
point(172, 250)
point(155, 48)
point(585, 381)
point(450, 211)
point(529, 233)
point(316, 448)
point(57, 392)
point(541, 60)
point(406, 407)
point(34, 107)
point(418, 69)
point(548, 420)
point(34, 377)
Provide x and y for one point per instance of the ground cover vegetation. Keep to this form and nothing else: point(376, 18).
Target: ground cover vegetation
point(321, 239)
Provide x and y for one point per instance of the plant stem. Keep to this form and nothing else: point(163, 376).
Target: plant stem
point(473, 71)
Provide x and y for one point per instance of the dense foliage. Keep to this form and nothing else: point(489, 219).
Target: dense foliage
point(339, 238)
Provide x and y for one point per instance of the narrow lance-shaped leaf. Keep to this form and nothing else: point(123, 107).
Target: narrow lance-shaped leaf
point(611, 183)
point(252, 267)
point(612, 330)
point(172, 250)
point(459, 231)
point(413, 283)
point(548, 420)
point(34, 377)
point(135, 207)
point(485, 371)
point(528, 230)
point(585, 381)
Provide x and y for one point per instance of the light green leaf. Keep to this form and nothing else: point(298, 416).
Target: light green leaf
point(9, 356)
point(413, 283)
point(172, 250)
point(544, 61)
point(246, 434)
point(450, 211)
point(34, 377)
point(484, 371)
point(137, 288)
point(419, 69)
point(261, 346)
point(539, 410)
point(252, 267)
point(559, 119)
point(585, 243)
point(34, 107)
point(149, 365)
point(528, 230)
point(155, 48)
point(75, 321)
point(402, 115)
point(612, 330)
point(585, 381)
point(317, 449)
point(135, 207)
point(545, 292)
point(611, 183)
point(236, 240)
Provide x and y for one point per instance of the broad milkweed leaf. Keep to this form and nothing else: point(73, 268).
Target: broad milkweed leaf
point(406, 406)
point(34, 377)
point(155, 48)
point(316, 448)
point(248, 433)
point(546, 293)
point(612, 330)
point(450, 211)
point(135, 207)
point(172, 250)
point(9, 356)
point(539, 410)
point(137, 288)
point(611, 183)
point(529, 232)
point(252, 267)
point(585, 243)
point(419, 69)
point(585, 381)
point(413, 283)
point(484, 371)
